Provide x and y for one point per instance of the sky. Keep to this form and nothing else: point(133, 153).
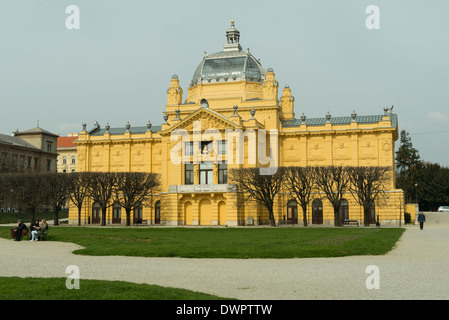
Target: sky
point(116, 68)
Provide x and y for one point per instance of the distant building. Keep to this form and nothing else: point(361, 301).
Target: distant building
point(31, 150)
point(67, 153)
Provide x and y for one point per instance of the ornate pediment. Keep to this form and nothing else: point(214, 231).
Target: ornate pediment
point(204, 118)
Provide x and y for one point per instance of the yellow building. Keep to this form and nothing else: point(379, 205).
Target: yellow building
point(233, 117)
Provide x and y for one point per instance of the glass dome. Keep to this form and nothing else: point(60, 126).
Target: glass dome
point(231, 64)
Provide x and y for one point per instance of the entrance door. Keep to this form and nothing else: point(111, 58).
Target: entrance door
point(292, 212)
point(344, 210)
point(117, 213)
point(157, 213)
point(317, 212)
point(96, 213)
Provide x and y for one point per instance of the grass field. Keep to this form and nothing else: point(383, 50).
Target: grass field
point(14, 288)
point(240, 243)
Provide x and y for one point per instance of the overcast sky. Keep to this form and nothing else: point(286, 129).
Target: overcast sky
point(117, 67)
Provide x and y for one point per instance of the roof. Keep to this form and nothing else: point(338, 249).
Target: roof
point(339, 121)
point(118, 131)
point(66, 142)
point(36, 130)
point(15, 141)
point(229, 66)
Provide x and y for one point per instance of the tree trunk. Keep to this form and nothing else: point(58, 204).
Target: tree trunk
point(270, 213)
point(103, 216)
point(366, 216)
point(304, 214)
point(79, 215)
point(337, 220)
point(55, 216)
point(128, 216)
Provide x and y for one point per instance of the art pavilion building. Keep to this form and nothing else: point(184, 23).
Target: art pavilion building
point(231, 105)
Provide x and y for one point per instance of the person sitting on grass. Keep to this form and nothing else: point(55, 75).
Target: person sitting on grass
point(39, 231)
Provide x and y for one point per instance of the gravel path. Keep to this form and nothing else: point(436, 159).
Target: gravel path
point(418, 268)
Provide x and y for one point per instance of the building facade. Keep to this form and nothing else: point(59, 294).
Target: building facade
point(233, 117)
point(31, 150)
point(67, 153)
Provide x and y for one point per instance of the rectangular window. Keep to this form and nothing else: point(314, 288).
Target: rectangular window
point(64, 160)
point(189, 173)
point(223, 173)
point(73, 159)
point(222, 147)
point(189, 148)
point(206, 147)
point(206, 173)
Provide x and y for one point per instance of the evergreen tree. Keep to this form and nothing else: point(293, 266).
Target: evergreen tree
point(407, 162)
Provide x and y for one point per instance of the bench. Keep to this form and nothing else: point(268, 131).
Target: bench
point(140, 221)
point(348, 222)
point(45, 234)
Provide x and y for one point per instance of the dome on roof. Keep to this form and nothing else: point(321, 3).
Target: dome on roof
point(231, 64)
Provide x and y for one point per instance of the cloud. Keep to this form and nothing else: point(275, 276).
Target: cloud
point(437, 116)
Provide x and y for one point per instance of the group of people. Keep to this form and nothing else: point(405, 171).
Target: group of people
point(36, 229)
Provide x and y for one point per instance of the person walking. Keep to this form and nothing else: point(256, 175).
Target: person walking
point(421, 220)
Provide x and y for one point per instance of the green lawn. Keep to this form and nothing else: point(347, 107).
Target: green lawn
point(241, 243)
point(14, 288)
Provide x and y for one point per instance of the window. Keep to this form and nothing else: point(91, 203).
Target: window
point(73, 159)
point(206, 147)
point(49, 147)
point(189, 176)
point(222, 173)
point(48, 164)
point(64, 160)
point(206, 173)
point(189, 148)
point(222, 147)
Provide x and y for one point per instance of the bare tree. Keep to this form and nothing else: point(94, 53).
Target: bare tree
point(101, 189)
point(56, 187)
point(261, 188)
point(133, 189)
point(334, 182)
point(78, 190)
point(27, 190)
point(367, 185)
point(300, 182)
